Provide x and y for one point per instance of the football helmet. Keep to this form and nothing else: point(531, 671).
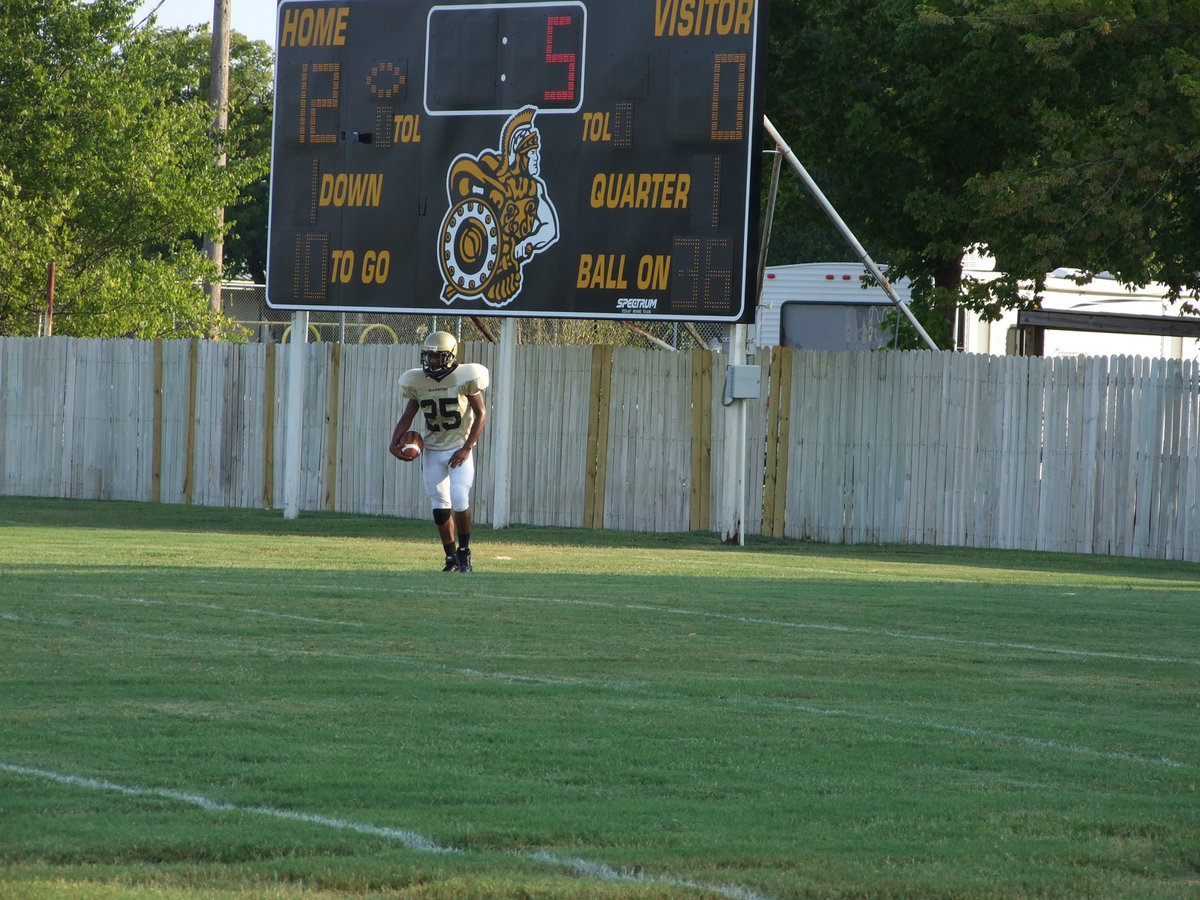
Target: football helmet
point(439, 354)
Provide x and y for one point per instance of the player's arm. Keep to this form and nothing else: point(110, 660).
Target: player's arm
point(405, 423)
point(480, 409)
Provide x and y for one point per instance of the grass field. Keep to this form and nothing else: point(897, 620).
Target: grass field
point(223, 703)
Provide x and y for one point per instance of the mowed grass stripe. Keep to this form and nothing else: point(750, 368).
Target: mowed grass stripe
point(641, 686)
point(848, 630)
point(319, 589)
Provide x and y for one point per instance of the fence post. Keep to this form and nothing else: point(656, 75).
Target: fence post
point(596, 471)
point(699, 518)
point(779, 399)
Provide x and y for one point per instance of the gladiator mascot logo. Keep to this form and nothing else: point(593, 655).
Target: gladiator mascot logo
point(500, 215)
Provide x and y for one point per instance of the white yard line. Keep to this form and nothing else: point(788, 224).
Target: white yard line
point(855, 629)
point(678, 611)
point(234, 644)
point(410, 839)
point(216, 607)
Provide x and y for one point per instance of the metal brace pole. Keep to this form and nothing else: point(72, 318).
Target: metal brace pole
point(846, 232)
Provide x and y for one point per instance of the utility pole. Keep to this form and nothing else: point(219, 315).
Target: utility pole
point(215, 249)
point(50, 298)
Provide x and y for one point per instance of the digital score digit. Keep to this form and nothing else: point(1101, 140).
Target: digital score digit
point(520, 55)
point(566, 159)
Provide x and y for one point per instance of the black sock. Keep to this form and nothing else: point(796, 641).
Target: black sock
point(464, 541)
point(449, 548)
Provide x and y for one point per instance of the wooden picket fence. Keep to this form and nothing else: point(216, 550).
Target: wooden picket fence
point(1089, 455)
point(1085, 455)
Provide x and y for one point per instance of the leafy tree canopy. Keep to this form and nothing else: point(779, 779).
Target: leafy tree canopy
point(251, 98)
point(1053, 132)
point(107, 169)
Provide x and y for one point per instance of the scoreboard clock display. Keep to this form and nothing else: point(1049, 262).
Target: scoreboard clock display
point(583, 158)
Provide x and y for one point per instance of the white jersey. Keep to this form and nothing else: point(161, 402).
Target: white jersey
point(448, 415)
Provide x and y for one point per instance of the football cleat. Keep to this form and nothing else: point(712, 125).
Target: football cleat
point(451, 564)
point(439, 354)
point(464, 561)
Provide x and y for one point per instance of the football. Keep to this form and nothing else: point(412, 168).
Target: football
point(411, 445)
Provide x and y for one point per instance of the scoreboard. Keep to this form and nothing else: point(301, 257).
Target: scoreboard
point(582, 158)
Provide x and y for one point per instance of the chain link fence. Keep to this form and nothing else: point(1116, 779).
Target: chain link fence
point(246, 304)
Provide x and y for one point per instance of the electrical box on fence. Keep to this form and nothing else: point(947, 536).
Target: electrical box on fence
point(743, 382)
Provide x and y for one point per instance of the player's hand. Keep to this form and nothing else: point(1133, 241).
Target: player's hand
point(459, 456)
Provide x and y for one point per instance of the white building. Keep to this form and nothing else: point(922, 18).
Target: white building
point(825, 306)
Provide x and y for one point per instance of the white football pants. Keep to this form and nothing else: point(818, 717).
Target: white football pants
point(448, 488)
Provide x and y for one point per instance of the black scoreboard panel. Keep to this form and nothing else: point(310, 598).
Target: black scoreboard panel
point(583, 158)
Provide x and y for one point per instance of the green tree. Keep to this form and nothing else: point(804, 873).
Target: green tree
point(107, 169)
point(251, 99)
point(252, 102)
point(1054, 132)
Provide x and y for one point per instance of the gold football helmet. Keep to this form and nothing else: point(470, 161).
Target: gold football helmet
point(439, 354)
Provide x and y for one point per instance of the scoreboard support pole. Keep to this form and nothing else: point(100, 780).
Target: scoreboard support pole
point(733, 497)
point(502, 445)
point(294, 430)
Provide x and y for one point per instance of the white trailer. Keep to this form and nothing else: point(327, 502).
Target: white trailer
point(825, 306)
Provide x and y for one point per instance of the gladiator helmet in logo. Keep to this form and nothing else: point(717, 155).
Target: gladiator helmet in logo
point(500, 215)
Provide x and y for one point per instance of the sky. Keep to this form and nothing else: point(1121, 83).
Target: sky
point(253, 18)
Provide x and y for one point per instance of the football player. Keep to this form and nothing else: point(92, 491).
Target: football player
point(449, 396)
